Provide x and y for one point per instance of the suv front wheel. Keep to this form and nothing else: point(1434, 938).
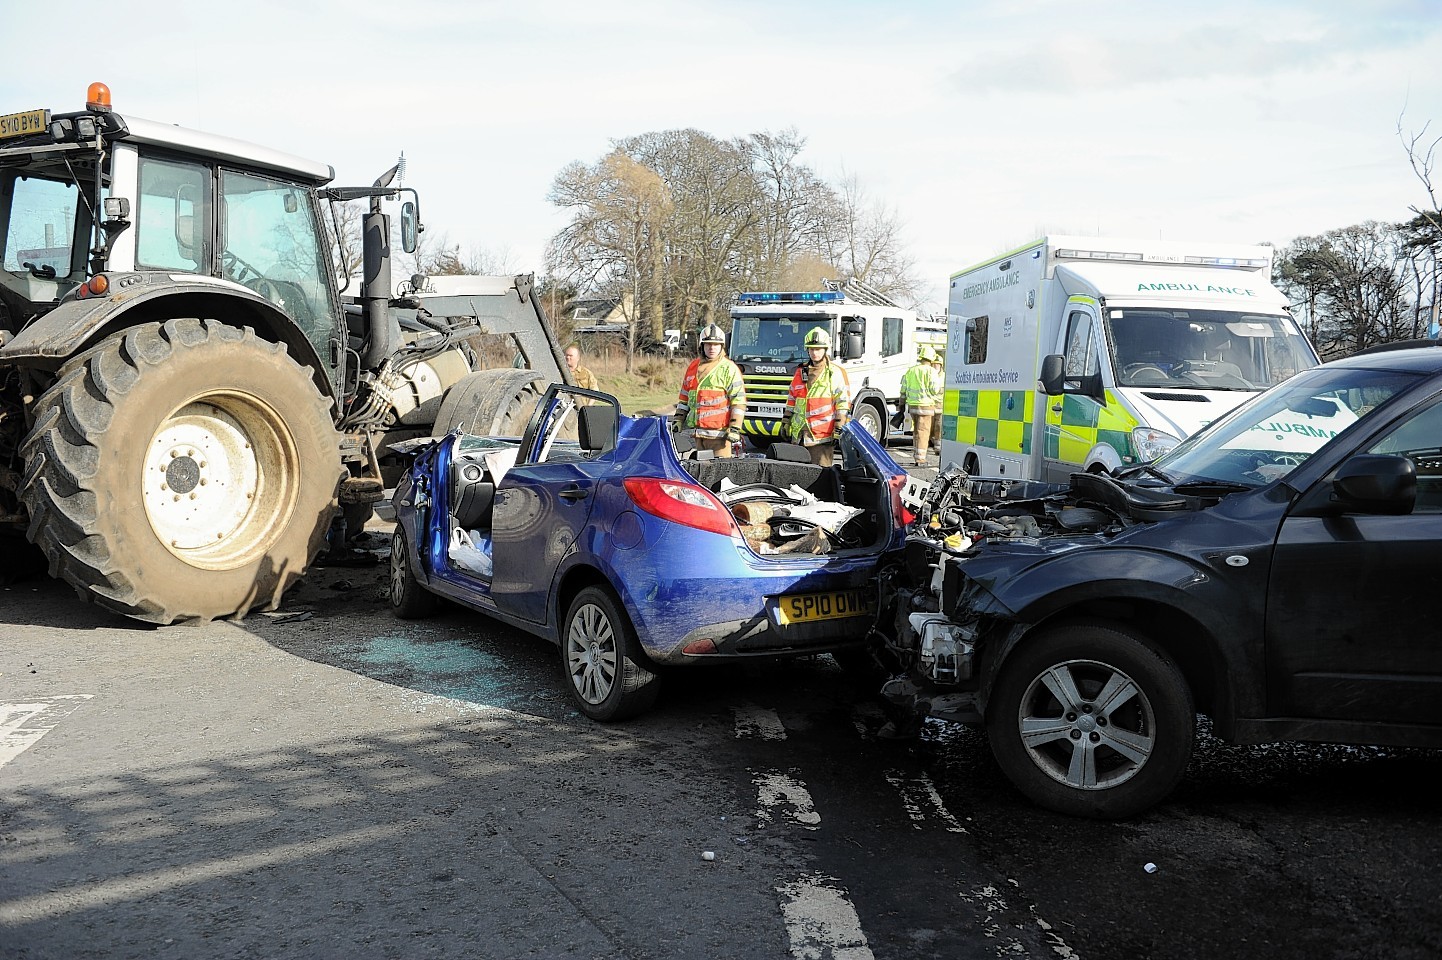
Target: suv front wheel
point(1091, 720)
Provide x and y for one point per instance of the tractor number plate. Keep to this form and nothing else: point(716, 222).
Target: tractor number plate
point(24, 124)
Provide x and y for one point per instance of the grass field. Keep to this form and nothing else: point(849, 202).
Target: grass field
point(651, 386)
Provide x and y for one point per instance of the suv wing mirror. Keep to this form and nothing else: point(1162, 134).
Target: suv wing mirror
point(1376, 483)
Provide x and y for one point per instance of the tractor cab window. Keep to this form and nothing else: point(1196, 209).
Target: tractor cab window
point(41, 225)
point(173, 216)
point(269, 242)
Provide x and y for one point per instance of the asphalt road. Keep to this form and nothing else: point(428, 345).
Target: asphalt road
point(333, 782)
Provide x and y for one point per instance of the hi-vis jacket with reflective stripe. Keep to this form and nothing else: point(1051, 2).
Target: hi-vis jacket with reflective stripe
point(922, 386)
point(712, 399)
point(818, 403)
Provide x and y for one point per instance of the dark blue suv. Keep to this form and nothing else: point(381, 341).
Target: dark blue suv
point(1278, 572)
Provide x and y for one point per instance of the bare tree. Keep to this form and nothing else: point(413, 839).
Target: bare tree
point(618, 209)
point(796, 206)
point(1424, 230)
point(490, 261)
point(347, 255)
point(1352, 284)
point(672, 223)
point(864, 238)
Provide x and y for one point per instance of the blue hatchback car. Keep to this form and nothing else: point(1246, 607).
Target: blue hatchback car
point(604, 534)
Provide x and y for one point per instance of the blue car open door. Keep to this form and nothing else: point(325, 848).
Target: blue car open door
point(544, 501)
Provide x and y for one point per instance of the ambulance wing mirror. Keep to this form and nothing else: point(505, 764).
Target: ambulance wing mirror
point(1055, 381)
point(1052, 366)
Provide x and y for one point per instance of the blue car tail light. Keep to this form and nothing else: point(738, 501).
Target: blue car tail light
point(897, 508)
point(683, 503)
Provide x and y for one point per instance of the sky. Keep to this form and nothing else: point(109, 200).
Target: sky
point(981, 126)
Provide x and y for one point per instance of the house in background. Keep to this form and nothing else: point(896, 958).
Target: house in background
point(598, 324)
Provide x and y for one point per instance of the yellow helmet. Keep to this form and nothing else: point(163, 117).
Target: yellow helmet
point(818, 337)
point(924, 352)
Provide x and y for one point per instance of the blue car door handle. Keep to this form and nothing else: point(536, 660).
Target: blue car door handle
point(572, 492)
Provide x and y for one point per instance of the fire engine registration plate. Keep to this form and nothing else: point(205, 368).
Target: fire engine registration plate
point(24, 124)
point(770, 409)
point(811, 607)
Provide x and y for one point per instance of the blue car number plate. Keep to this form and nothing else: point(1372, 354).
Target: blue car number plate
point(811, 607)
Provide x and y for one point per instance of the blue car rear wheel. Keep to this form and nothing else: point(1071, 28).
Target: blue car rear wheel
point(598, 652)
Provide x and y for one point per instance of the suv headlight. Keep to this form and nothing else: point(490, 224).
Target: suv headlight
point(1151, 443)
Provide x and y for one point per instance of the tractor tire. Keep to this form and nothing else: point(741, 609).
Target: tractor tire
point(183, 470)
point(490, 403)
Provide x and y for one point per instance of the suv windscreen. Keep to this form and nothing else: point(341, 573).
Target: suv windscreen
point(1267, 438)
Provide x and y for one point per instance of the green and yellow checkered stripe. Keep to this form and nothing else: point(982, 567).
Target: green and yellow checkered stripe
point(999, 419)
point(1002, 420)
point(1083, 423)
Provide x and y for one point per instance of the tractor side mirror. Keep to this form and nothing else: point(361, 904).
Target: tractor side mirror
point(409, 227)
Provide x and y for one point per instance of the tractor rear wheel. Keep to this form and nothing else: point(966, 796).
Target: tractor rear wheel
point(181, 470)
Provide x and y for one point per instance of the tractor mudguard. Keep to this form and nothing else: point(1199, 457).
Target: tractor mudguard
point(136, 298)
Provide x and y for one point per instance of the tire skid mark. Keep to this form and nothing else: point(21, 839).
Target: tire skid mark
point(23, 723)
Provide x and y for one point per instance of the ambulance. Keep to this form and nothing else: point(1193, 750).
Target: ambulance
point(1140, 343)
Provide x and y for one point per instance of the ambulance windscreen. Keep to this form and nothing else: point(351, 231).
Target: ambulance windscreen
point(1204, 349)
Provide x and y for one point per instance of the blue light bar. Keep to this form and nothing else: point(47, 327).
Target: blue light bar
point(793, 296)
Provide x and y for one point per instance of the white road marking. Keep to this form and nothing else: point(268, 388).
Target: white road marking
point(922, 801)
point(821, 923)
point(990, 900)
point(21, 724)
point(758, 723)
point(784, 796)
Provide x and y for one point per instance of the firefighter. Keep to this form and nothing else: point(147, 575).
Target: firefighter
point(922, 388)
point(712, 402)
point(819, 402)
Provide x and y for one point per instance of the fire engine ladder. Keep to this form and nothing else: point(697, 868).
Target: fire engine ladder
point(859, 292)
